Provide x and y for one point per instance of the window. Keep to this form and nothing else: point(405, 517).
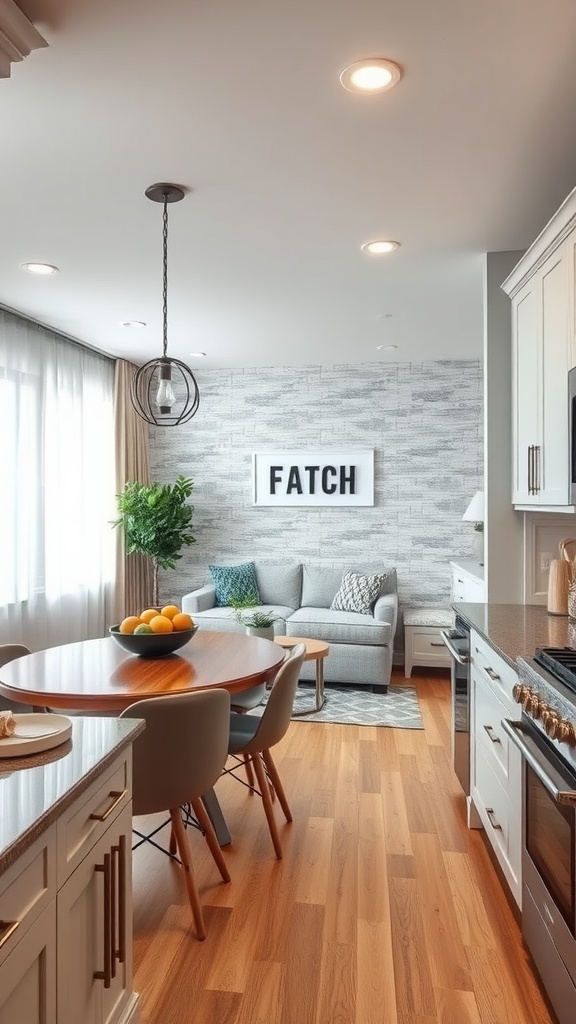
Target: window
point(57, 497)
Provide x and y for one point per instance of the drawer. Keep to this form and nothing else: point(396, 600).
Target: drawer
point(499, 676)
point(493, 804)
point(428, 646)
point(489, 734)
point(26, 889)
point(82, 824)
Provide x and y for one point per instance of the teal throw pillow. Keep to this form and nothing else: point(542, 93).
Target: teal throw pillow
point(235, 583)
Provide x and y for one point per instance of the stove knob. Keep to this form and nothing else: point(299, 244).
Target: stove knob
point(552, 725)
point(546, 715)
point(564, 730)
point(518, 691)
point(526, 698)
point(571, 738)
point(536, 706)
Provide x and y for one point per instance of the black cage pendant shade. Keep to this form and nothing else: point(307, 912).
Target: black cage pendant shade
point(164, 391)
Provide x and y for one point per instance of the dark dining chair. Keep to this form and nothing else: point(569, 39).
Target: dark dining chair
point(177, 758)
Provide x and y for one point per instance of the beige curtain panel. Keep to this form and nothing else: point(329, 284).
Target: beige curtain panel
point(133, 572)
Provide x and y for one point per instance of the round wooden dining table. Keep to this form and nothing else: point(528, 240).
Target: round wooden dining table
point(98, 675)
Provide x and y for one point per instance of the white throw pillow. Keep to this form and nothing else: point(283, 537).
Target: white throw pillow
point(358, 593)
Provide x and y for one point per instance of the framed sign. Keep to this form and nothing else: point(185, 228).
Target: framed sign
point(313, 477)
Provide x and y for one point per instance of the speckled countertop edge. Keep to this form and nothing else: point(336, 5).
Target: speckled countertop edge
point(25, 839)
point(516, 630)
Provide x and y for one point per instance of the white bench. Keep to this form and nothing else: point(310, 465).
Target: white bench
point(423, 644)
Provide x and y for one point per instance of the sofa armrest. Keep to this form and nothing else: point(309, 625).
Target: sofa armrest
point(386, 610)
point(199, 600)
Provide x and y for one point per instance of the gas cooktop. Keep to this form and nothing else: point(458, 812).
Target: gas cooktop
point(560, 662)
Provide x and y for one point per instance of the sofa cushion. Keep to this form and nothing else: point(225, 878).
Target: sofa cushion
point(279, 582)
point(358, 593)
point(321, 582)
point(235, 583)
point(338, 627)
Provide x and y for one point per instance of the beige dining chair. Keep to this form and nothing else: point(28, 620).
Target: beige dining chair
point(177, 758)
point(9, 652)
point(252, 736)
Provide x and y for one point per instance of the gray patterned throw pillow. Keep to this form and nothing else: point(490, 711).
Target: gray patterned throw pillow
point(358, 593)
point(235, 583)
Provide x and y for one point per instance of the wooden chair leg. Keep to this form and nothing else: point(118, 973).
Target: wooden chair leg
point(267, 801)
point(185, 857)
point(278, 787)
point(211, 838)
point(173, 844)
point(248, 770)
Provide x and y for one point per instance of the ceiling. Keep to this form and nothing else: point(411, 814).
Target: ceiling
point(286, 173)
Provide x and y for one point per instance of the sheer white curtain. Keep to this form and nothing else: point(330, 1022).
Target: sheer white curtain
point(57, 473)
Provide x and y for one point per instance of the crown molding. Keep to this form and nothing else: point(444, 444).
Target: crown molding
point(17, 36)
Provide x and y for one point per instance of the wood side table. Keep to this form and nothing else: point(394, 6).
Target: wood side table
point(316, 650)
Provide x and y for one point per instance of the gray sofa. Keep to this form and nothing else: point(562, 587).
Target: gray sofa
point(361, 646)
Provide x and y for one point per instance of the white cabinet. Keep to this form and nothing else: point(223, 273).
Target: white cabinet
point(496, 764)
point(542, 290)
point(65, 914)
point(467, 582)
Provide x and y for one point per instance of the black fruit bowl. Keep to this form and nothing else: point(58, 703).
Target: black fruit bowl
point(152, 645)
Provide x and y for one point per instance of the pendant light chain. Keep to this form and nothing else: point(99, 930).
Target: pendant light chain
point(165, 276)
point(164, 391)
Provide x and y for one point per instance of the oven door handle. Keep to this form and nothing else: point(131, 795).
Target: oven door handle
point(517, 733)
point(462, 659)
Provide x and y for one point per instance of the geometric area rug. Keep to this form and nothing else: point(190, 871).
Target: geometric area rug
point(398, 709)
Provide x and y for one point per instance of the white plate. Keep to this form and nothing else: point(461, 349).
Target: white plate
point(35, 732)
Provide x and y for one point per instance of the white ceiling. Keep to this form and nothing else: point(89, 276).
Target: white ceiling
point(288, 174)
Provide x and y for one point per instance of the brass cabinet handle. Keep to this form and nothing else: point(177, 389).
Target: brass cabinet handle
point(118, 796)
point(490, 731)
point(119, 882)
point(106, 869)
point(7, 928)
point(492, 819)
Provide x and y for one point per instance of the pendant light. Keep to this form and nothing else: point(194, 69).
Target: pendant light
point(164, 391)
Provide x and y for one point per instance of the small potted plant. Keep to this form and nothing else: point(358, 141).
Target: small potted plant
point(257, 623)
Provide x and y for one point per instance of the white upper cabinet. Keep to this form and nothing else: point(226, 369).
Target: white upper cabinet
point(542, 290)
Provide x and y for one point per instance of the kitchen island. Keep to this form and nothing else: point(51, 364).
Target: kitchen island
point(65, 879)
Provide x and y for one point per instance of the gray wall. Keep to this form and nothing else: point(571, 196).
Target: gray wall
point(424, 421)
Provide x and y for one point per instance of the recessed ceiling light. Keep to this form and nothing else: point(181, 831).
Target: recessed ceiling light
point(138, 324)
point(39, 268)
point(386, 348)
point(197, 355)
point(374, 74)
point(379, 247)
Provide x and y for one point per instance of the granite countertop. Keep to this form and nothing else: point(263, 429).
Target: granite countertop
point(516, 630)
point(35, 790)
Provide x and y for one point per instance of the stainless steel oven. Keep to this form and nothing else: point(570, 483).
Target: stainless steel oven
point(457, 641)
point(546, 737)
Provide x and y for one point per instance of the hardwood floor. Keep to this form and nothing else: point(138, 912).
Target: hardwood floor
point(385, 909)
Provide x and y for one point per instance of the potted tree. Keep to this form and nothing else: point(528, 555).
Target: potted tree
point(156, 520)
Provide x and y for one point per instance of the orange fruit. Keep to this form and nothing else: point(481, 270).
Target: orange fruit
point(128, 625)
point(182, 621)
point(148, 614)
point(160, 624)
point(170, 611)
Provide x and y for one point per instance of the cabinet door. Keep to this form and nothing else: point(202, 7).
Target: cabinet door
point(552, 460)
point(525, 399)
point(28, 975)
point(93, 907)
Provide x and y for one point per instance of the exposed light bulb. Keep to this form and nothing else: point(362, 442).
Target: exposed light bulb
point(165, 397)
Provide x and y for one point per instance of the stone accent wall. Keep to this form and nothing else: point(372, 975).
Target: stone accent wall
point(424, 422)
